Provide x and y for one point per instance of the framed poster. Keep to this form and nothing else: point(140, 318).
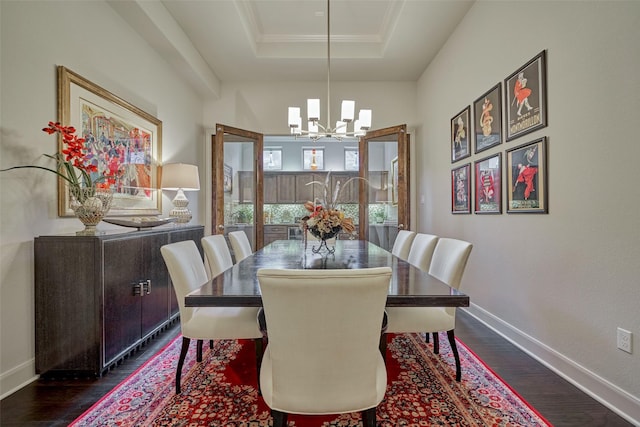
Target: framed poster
point(527, 178)
point(487, 119)
point(351, 159)
point(120, 139)
point(272, 159)
point(461, 190)
point(526, 98)
point(227, 183)
point(312, 159)
point(460, 135)
point(488, 184)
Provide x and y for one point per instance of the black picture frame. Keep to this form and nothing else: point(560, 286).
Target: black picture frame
point(526, 181)
point(487, 119)
point(488, 185)
point(460, 137)
point(461, 189)
point(526, 111)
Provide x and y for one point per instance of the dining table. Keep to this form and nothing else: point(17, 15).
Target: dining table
point(409, 287)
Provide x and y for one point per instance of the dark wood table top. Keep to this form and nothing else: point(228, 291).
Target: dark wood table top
point(410, 286)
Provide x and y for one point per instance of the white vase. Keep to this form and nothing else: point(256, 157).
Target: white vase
point(90, 205)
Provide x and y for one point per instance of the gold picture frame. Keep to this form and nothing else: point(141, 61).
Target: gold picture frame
point(119, 137)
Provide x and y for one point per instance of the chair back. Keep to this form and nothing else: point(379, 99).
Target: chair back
point(402, 245)
point(240, 245)
point(217, 254)
point(186, 270)
point(422, 250)
point(449, 260)
point(324, 330)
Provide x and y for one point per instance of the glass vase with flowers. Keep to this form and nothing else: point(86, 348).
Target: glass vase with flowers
point(325, 221)
point(90, 195)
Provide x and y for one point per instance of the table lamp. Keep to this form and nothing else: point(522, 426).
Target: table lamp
point(180, 177)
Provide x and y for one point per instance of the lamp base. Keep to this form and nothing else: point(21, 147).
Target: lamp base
point(180, 212)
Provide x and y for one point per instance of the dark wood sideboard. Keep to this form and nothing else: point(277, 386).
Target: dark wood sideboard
point(97, 298)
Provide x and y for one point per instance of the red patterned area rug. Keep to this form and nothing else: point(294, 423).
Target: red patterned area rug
point(221, 391)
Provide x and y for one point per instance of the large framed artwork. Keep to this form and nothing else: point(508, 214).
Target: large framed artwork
point(487, 119)
point(526, 98)
point(461, 189)
point(488, 184)
point(460, 135)
point(527, 178)
point(121, 139)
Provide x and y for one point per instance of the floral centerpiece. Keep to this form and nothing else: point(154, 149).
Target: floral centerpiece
point(90, 197)
point(325, 220)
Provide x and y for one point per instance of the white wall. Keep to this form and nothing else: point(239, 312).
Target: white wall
point(558, 284)
point(92, 40)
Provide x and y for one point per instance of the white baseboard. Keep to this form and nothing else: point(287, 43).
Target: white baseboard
point(610, 395)
point(17, 377)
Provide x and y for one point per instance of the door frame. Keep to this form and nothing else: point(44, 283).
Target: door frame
point(404, 177)
point(217, 179)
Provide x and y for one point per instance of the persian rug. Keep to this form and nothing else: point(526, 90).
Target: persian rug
point(222, 391)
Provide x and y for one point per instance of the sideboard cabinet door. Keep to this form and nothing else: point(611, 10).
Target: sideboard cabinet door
point(155, 285)
point(122, 308)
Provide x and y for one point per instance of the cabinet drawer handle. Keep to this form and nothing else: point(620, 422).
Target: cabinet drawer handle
point(138, 289)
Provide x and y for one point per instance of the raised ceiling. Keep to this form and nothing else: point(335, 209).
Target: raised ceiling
point(286, 40)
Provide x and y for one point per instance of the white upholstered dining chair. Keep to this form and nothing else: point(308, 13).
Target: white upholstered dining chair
point(217, 255)
point(323, 357)
point(187, 273)
point(421, 250)
point(402, 244)
point(240, 245)
point(448, 264)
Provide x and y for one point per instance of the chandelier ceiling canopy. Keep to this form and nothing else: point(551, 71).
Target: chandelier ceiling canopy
point(341, 130)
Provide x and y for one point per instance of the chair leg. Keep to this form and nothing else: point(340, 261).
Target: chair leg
point(454, 348)
point(369, 417)
point(199, 350)
point(426, 337)
point(259, 343)
point(279, 418)
point(383, 346)
point(183, 354)
point(436, 343)
point(211, 344)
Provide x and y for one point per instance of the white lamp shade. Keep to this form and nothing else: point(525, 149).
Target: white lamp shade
point(313, 110)
point(294, 116)
point(296, 129)
point(183, 176)
point(348, 109)
point(313, 128)
point(365, 119)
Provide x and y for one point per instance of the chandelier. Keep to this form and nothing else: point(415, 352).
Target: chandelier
point(341, 129)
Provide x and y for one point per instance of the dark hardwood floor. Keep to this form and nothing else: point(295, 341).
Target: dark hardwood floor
point(59, 402)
